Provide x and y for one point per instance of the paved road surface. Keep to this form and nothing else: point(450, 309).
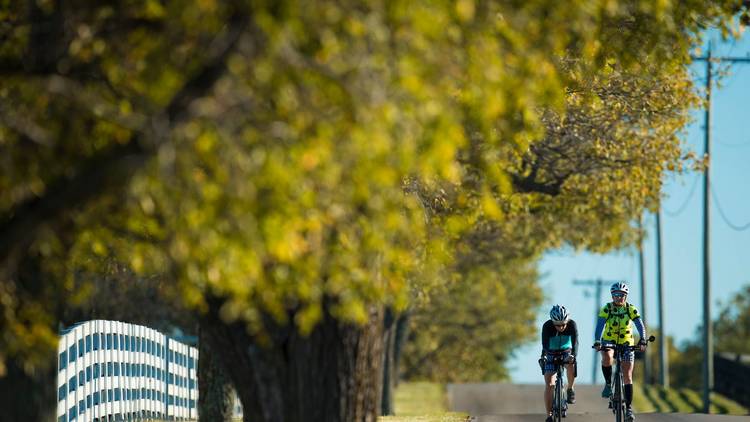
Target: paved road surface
point(523, 403)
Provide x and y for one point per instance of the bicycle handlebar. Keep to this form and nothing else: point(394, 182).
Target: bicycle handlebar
point(624, 347)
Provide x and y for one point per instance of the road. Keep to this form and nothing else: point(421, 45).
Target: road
point(523, 403)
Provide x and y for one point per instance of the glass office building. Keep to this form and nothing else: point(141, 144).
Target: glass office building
point(114, 371)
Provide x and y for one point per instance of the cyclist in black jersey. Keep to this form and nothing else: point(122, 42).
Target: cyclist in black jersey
point(559, 335)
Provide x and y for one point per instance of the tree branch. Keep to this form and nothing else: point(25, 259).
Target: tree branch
point(113, 167)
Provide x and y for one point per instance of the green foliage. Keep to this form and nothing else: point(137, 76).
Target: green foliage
point(466, 330)
point(271, 167)
point(732, 327)
point(731, 330)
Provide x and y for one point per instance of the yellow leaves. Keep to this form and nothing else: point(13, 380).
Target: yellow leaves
point(490, 207)
point(351, 310)
point(283, 237)
point(308, 317)
point(465, 10)
point(154, 9)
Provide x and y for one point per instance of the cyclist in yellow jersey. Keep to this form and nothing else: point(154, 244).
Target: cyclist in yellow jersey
point(615, 326)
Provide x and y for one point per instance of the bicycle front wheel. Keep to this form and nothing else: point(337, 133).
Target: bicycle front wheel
point(619, 400)
point(558, 400)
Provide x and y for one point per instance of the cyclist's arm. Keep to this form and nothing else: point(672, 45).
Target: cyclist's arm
point(638, 322)
point(599, 328)
point(575, 337)
point(545, 337)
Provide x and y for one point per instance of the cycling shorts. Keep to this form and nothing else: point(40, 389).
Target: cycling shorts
point(549, 367)
point(628, 356)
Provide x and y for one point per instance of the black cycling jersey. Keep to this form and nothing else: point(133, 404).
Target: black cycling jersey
point(565, 340)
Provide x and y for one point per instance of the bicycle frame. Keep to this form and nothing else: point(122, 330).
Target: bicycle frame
point(559, 399)
point(617, 399)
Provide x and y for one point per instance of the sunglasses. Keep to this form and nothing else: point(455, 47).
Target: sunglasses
point(560, 325)
point(618, 295)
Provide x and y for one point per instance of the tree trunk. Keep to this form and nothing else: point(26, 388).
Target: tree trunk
point(216, 397)
point(402, 330)
point(386, 404)
point(28, 390)
point(334, 374)
point(30, 397)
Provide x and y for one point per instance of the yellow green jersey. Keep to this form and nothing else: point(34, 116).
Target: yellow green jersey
point(615, 324)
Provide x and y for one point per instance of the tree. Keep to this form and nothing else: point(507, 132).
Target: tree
point(598, 165)
point(468, 331)
point(254, 155)
point(730, 332)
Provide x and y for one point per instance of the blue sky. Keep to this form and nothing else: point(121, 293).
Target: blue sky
point(682, 231)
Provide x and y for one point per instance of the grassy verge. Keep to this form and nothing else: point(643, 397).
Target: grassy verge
point(653, 398)
point(422, 402)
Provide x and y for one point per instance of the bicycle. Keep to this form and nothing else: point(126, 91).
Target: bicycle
point(617, 399)
point(559, 399)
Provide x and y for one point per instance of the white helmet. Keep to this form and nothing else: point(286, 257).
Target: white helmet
point(558, 313)
point(619, 287)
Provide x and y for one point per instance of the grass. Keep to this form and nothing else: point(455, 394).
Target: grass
point(422, 402)
point(652, 398)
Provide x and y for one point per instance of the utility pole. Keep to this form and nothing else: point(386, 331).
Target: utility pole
point(597, 284)
point(708, 335)
point(642, 268)
point(663, 358)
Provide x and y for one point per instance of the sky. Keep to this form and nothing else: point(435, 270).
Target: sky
point(682, 220)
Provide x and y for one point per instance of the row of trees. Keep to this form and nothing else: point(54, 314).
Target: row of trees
point(290, 178)
point(731, 331)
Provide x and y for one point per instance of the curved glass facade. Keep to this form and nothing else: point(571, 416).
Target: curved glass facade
point(115, 371)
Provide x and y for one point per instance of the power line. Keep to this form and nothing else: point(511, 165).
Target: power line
point(737, 145)
point(687, 200)
point(724, 217)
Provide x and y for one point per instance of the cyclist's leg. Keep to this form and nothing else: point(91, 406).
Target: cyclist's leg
point(570, 370)
point(627, 376)
point(607, 360)
point(550, 377)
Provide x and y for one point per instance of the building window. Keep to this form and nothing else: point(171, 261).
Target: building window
point(80, 348)
point(72, 383)
point(109, 341)
point(63, 360)
point(117, 369)
point(96, 341)
point(81, 379)
point(62, 392)
point(72, 353)
point(88, 343)
point(114, 342)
